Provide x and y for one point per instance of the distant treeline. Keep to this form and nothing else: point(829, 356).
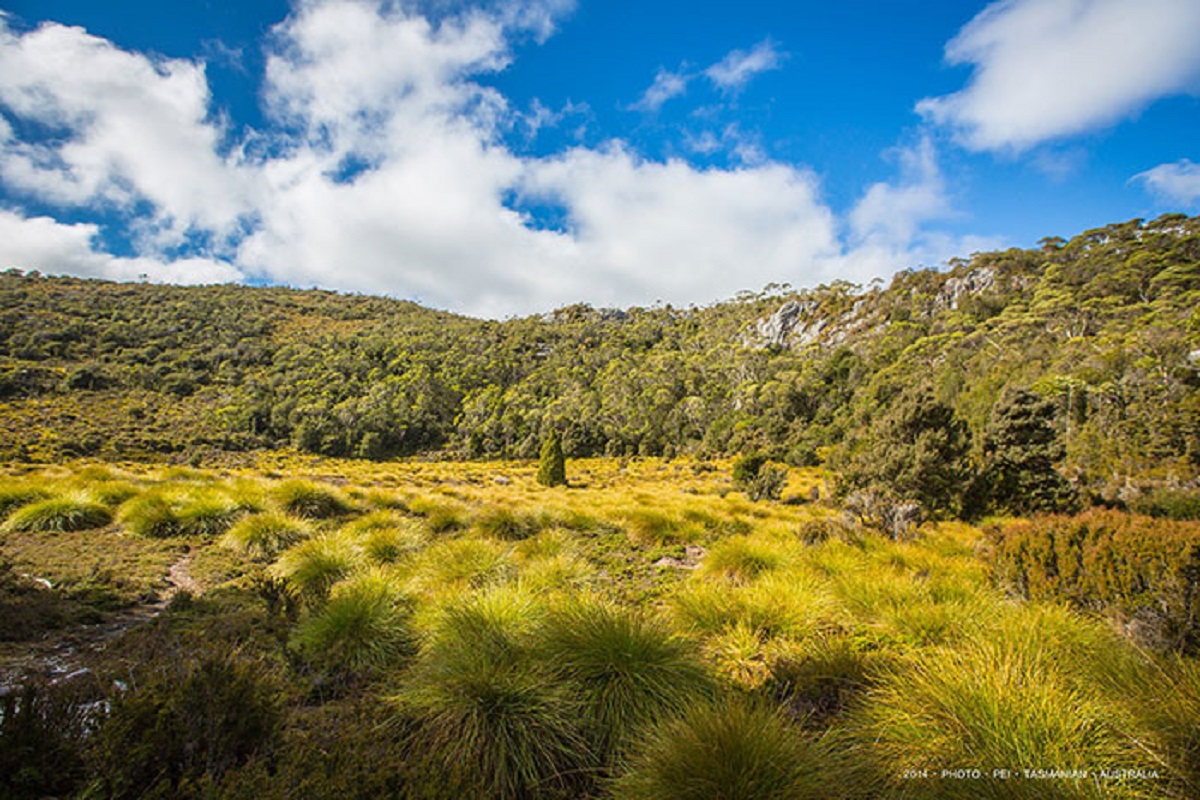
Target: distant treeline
point(1106, 325)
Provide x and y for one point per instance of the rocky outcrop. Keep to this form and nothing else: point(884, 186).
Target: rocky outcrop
point(975, 282)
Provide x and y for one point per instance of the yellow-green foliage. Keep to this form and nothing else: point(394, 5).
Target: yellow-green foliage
point(309, 500)
point(13, 496)
point(363, 625)
point(316, 564)
point(149, 514)
point(264, 536)
point(59, 514)
point(534, 650)
point(732, 749)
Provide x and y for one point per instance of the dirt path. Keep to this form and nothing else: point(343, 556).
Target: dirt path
point(64, 654)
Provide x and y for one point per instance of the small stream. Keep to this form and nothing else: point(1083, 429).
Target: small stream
point(64, 655)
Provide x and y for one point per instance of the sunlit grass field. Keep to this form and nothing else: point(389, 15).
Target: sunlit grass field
point(457, 630)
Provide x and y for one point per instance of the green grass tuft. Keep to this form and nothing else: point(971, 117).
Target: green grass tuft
point(314, 566)
point(59, 514)
point(487, 718)
point(309, 500)
point(628, 670)
point(364, 625)
point(149, 515)
point(264, 536)
point(14, 497)
point(207, 516)
point(734, 749)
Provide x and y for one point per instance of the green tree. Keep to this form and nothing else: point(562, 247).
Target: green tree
point(1020, 449)
point(552, 468)
point(914, 452)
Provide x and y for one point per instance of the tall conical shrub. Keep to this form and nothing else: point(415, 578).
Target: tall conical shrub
point(552, 469)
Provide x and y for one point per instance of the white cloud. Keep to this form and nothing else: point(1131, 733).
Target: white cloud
point(889, 226)
point(55, 248)
point(669, 231)
point(1178, 182)
point(735, 70)
point(386, 171)
point(1045, 69)
point(666, 85)
point(135, 129)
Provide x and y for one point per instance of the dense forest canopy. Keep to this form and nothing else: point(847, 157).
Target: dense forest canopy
point(1105, 325)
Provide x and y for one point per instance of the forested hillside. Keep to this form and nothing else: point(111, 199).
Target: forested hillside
point(1106, 325)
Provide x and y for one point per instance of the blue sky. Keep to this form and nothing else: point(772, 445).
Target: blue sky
point(509, 156)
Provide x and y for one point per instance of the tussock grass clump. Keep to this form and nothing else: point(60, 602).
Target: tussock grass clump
point(487, 718)
point(509, 525)
point(363, 625)
point(13, 497)
point(650, 528)
point(457, 564)
point(309, 500)
point(775, 605)
point(111, 493)
point(741, 559)
point(992, 702)
point(59, 514)
point(315, 565)
point(149, 515)
point(822, 676)
point(390, 545)
point(376, 520)
point(734, 749)
point(628, 670)
point(264, 536)
point(207, 516)
point(441, 516)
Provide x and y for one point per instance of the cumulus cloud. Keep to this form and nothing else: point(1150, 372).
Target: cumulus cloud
point(1045, 69)
point(1178, 182)
point(132, 129)
point(385, 170)
point(55, 248)
point(889, 225)
point(666, 85)
point(736, 69)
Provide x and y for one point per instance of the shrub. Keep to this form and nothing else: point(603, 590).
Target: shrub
point(59, 514)
point(915, 450)
point(309, 500)
point(734, 749)
point(1145, 570)
point(187, 719)
point(759, 478)
point(1169, 503)
point(265, 536)
point(43, 730)
point(1020, 447)
point(628, 671)
point(149, 515)
point(552, 466)
point(364, 625)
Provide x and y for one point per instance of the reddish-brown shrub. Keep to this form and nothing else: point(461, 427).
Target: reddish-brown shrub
point(1145, 571)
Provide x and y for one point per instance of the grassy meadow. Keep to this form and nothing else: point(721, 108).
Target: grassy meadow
point(307, 627)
